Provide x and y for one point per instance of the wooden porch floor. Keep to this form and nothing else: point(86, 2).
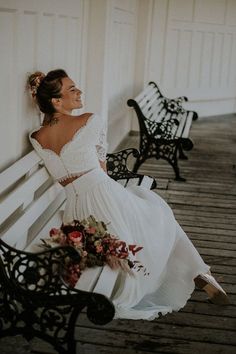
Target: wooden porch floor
point(205, 206)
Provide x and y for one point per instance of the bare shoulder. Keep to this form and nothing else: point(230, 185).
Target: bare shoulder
point(82, 119)
point(39, 135)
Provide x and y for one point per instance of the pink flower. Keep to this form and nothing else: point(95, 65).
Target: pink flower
point(54, 232)
point(75, 236)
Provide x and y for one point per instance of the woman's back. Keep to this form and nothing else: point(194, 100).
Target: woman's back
point(54, 137)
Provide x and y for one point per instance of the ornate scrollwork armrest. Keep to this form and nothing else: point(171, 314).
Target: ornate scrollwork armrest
point(174, 105)
point(161, 129)
point(181, 99)
point(164, 129)
point(36, 273)
point(117, 166)
point(33, 291)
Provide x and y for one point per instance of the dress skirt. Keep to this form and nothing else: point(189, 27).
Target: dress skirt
point(139, 216)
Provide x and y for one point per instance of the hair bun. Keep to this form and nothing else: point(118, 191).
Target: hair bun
point(34, 81)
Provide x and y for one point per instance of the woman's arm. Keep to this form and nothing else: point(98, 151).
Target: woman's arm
point(103, 165)
point(102, 147)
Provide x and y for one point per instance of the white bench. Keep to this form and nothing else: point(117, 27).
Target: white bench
point(31, 204)
point(164, 127)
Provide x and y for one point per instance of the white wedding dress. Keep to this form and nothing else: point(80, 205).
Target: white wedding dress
point(137, 216)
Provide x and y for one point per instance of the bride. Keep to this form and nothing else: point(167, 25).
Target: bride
point(74, 152)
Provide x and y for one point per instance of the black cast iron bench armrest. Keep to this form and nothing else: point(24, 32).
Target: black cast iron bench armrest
point(40, 279)
point(117, 166)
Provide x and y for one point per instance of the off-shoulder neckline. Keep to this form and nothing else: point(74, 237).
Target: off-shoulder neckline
point(75, 135)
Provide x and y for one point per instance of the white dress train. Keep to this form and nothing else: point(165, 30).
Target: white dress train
point(139, 216)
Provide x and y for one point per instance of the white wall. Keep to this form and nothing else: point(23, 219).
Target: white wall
point(35, 35)
point(93, 40)
point(111, 48)
point(120, 65)
point(193, 52)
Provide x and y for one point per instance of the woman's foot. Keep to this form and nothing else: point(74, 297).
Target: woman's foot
point(216, 294)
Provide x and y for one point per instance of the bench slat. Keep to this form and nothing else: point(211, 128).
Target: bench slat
point(106, 281)
point(13, 173)
point(17, 197)
point(147, 182)
point(177, 129)
point(54, 221)
point(184, 126)
point(159, 115)
point(89, 278)
point(37, 208)
point(154, 112)
point(187, 125)
point(150, 105)
point(143, 101)
point(132, 182)
point(144, 92)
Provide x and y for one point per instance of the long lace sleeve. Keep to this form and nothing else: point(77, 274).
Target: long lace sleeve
point(102, 143)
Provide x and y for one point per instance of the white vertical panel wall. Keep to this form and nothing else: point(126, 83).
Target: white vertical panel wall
point(35, 35)
point(193, 52)
point(95, 41)
point(120, 66)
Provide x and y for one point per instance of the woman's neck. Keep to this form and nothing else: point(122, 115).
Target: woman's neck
point(55, 118)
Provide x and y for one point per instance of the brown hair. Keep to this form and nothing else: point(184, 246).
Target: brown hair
point(45, 87)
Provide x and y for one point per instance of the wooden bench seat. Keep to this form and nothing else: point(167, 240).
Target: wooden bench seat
point(31, 292)
point(164, 127)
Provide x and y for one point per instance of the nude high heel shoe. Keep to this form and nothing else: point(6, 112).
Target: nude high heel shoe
point(216, 294)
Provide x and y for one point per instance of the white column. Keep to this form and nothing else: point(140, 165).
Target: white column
point(96, 98)
point(143, 42)
point(142, 48)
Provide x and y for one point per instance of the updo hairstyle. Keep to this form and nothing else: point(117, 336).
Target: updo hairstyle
point(45, 87)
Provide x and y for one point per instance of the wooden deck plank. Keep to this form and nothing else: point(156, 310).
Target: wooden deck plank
point(126, 342)
point(169, 330)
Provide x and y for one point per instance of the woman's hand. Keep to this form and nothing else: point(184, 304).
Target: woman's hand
point(103, 165)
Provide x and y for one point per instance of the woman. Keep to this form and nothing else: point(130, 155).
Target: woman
point(74, 151)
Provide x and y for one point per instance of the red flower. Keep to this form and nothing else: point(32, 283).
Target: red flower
point(134, 249)
point(72, 275)
point(75, 236)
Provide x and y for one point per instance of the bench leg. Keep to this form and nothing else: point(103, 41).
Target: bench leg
point(195, 116)
point(137, 164)
point(174, 164)
point(177, 175)
point(182, 156)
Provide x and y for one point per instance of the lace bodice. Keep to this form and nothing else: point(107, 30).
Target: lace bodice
point(81, 154)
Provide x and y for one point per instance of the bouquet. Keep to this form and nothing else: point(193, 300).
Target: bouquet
point(96, 247)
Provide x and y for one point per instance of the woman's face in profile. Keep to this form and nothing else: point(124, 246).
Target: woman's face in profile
point(70, 95)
